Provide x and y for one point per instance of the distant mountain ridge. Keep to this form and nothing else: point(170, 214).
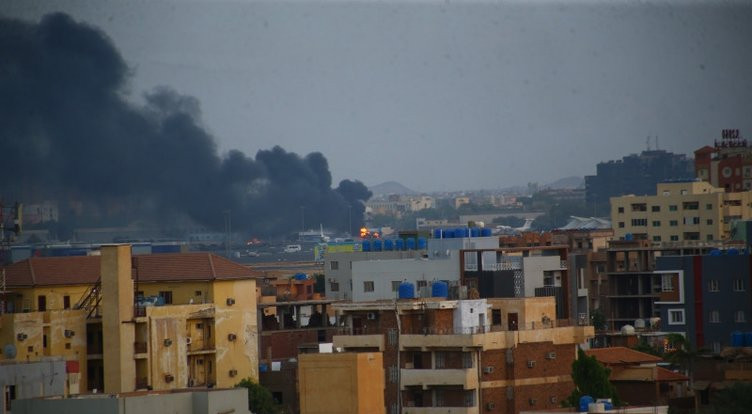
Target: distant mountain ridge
point(390, 187)
point(567, 182)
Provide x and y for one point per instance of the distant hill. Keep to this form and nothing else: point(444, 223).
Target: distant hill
point(566, 182)
point(390, 187)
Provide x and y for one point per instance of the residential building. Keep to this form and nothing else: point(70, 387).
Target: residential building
point(341, 383)
point(465, 356)
point(423, 202)
point(192, 401)
point(680, 211)
point(634, 174)
point(461, 201)
point(705, 297)
point(637, 377)
point(338, 266)
point(201, 331)
point(727, 164)
point(49, 377)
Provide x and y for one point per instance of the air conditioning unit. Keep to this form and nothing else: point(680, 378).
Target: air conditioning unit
point(169, 378)
point(554, 400)
point(488, 370)
point(233, 372)
point(167, 342)
point(532, 401)
point(371, 316)
point(231, 337)
point(490, 405)
point(21, 336)
point(68, 333)
point(530, 363)
point(551, 355)
point(187, 340)
point(230, 301)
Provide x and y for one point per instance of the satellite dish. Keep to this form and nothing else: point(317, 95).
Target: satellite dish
point(9, 351)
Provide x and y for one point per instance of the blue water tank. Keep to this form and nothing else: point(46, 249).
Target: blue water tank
point(448, 233)
point(436, 233)
point(474, 232)
point(484, 232)
point(388, 244)
point(411, 244)
point(608, 405)
point(399, 244)
point(737, 339)
point(715, 252)
point(406, 290)
point(747, 338)
point(628, 236)
point(459, 232)
point(376, 245)
point(263, 367)
point(300, 276)
point(440, 290)
point(366, 246)
point(422, 243)
point(732, 252)
point(585, 402)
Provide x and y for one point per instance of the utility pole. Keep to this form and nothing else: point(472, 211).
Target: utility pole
point(228, 232)
point(302, 218)
point(349, 219)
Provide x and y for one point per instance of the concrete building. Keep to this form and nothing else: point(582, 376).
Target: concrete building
point(680, 211)
point(92, 310)
point(727, 164)
point(705, 298)
point(50, 377)
point(176, 402)
point(423, 202)
point(341, 383)
point(461, 356)
point(338, 268)
point(634, 174)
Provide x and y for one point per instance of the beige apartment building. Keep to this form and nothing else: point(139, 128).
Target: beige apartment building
point(679, 212)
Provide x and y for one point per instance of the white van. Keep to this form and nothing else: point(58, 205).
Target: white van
point(292, 248)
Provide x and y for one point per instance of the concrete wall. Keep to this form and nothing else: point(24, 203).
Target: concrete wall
point(33, 379)
point(534, 267)
point(343, 272)
point(383, 272)
point(471, 315)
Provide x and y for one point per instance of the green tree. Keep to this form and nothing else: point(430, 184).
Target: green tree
point(736, 399)
point(590, 378)
point(260, 400)
point(598, 319)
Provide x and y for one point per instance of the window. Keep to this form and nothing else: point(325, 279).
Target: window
point(655, 209)
point(640, 222)
point(656, 223)
point(672, 208)
point(713, 285)
point(41, 303)
point(714, 317)
point(667, 283)
point(621, 209)
point(395, 285)
point(674, 238)
point(740, 317)
point(656, 238)
point(708, 206)
point(167, 296)
point(440, 360)
point(639, 207)
point(422, 284)
point(738, 285)
point(66, 302)
point(368, 286)
point(691, 205)
point(676, 316)
point(621, 224)
point(716, 347)
point(709, 237)
point(709, 222)
point(334, 265)
point(10, 395)
point(673, 223)
point(334, 286)
point(197, 293)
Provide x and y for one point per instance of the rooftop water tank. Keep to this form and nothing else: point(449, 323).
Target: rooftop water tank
point(388, 244)
point(628, 237)
point(399, 244)
point(440, 290)
point(737, 339)
point(406, 290)
point(485, 232)
point(411, 244)
point(448, 233)
point(436, 233)
point(715, 252)
point(422, 243)
point(377, 245)
point(460, 232)
point(748, 339)
point(732, 252)
point(627, 330)
point(585, 401)
point(366, 246)
point(300, 276)
point(474, 232)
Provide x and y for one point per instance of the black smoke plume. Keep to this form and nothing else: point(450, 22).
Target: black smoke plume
point(68, 133)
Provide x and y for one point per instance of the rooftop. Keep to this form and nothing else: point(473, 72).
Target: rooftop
point(620, 355)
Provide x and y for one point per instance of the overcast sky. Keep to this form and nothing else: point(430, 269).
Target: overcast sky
point(442, 95)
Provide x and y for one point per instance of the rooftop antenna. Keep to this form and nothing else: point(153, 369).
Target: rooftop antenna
point(656, 142)
point(647, 142)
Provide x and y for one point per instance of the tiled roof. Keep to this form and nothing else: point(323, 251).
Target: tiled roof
point(45, 271)
point(668, 375)
point(619, 355)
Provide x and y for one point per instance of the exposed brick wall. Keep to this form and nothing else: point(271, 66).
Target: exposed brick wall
point(284, 344)
point(542, 395)
point(543, 367)
point(639, 393)
point(496, 359)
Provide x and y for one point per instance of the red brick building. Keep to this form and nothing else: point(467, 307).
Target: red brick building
point(727, 164)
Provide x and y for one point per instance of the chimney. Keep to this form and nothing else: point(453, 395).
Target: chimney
point(118, 329)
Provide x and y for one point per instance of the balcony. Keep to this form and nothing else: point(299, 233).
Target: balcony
point(467, 378)
point(440, 410)
point(506, 265)
point(359, 341)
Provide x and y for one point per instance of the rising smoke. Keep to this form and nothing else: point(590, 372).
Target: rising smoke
point(68, 133)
